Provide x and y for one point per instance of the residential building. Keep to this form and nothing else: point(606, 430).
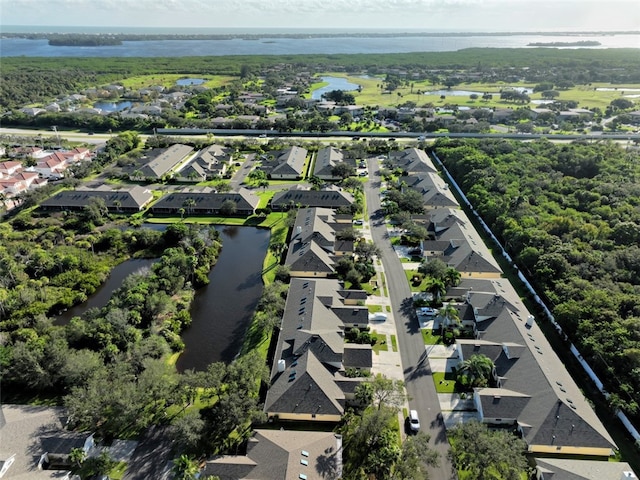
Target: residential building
point(567, 469)
point(119, 199)
point(35, 445)
point(299, 196)
point(314, 247)
point(307, 379)
point(214, 160)
point(326, 159)
point(531, 389)
point(434, 190)
point(282, 455)
point(412, 160)
point(289, 164)
point(206, 201)
point(162, 162)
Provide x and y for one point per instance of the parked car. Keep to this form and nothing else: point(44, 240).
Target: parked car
point(414, 421)
point(428, 311)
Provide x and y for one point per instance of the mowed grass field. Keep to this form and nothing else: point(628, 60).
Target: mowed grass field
point(372, 94)
point(169, 80)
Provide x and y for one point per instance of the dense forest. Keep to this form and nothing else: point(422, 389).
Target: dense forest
point(569, 214)
point(48, 264)
point(25, 80)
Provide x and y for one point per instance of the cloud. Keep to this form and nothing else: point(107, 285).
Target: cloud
point(521, 15)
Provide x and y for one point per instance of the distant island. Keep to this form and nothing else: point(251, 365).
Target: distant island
point(580, 43)
point(98, 39)
point(83, 40)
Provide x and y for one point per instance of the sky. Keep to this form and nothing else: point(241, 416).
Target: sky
point(398, 15)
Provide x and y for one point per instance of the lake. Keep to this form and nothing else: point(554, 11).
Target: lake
point(113, 106)
point(189, 81)
point(335, 83)
point(102, 295)
point(14, 47)
point(221, 311)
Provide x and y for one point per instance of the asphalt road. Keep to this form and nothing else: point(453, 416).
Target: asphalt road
point(417, 373)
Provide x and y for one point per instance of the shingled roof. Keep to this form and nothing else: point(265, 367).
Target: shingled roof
point(556, 417)
point(313, 244)
point(329, 198)
point(413, 160)
point(206, 201)
point(310, 352)
point(115, 199)
point(282, 455)
point(326, 159)
point(290, 163)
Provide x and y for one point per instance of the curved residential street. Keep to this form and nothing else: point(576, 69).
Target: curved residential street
point(417, 373)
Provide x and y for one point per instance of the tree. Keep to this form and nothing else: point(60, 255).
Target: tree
point(450, 316)
point(415, 456)
point(451, 277)
point(228, 208)
point(475, 371)
point(436, 288)
point(184, 468)
point(77, 456)
point(366, 250)
point(435, 268)
point(371, 446)
point(385, 392)
point(96, 210)
point(189, 203)
point(343, 170)
point(485, 454)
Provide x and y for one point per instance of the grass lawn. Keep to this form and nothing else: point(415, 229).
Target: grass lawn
point(586, 95)
point(445, 382)
point(415, 288)
point(265, 196)
point(117, 472)
point(381, 344)
point(375, 308)
point(169, 80)
point(431, 337)
point(394, 343)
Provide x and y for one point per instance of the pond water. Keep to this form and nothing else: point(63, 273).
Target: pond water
point(466, 93)
point(542, 102)
point(113, 106)
point(221, 311)
point(621, 89)
point(189, 81)
point(335, 83)
point(101, 296)
point(454, 93)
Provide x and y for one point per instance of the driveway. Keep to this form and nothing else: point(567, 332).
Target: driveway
point(150, 460)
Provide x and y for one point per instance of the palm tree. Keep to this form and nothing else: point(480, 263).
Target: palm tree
point(184, 468)
point(476, 371)
point(189, 203)
point(436, 288)
point(451, 277)
point(450, 315)
point(77, 456)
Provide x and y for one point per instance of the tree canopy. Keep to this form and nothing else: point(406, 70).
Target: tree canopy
point(568, 214)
